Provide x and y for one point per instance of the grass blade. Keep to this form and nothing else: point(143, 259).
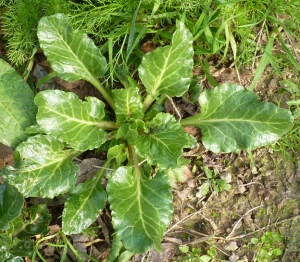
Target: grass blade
point(263, 62)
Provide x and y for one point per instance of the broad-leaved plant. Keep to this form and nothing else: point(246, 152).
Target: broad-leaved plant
point(145, 143)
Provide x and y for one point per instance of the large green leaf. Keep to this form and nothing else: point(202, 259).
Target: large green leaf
point(72, 54)
point(16, 106)
point(83, 205)
point(168, 70)
point(44, 168)
point(64, 115)
point(11, 203)
point(233, 119)
point(141, 208)
point(164, 141)
point(128, 104)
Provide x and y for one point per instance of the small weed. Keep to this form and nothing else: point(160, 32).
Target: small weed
point(267, 246)
point(194, 254)
point(212, 183)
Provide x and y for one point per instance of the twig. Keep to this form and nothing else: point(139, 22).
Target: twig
point(205, 238)
point(199, 240)
point(183, 219)
point(191, 215)
point(251, 183)
point(175, 108)
point(267, 226)
point(101, 167)
point(97, 240)
point(235, 226)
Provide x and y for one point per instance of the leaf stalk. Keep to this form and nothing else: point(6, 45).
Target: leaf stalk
point(148, 101)
point(108, 125)
point(104, 92)
point(187, 121)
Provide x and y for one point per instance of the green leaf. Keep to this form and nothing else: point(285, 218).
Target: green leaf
point(129, 131)
point(205, 258)
point(175, 175)
point(16, 106)
point(164, 143)
point(117, 252)
point(125, 256)
point(13, 249)
point(39, 222)
point(277, 237)
point(277, 252)
point(72, 54)
point(184, 249)
point(65, 116)
point(128, 104)
point(195, 90)
point(153, 111)
point(233, 119)
point(118, 152)
point(43, 169)
point(83, 205)
point(204, 189)
point(293, 102)
point(168, 70)
point(254, 241)
point(11, 203)
point(289, 86)
point(223, 184)
point(21, 247)
point(141, 208)
point(16, 225)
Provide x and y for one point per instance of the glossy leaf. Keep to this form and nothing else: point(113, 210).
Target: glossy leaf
point(21, 247)
point(64, 115)
point(16, 225)
point(44, 168)
point(11, 203)
point(16, 106)
point(233, 119)
point(39, 222)
point(72, 54)
point(141, 208)
point(129, 132)
point(168, 70)
point(128, 104)
point(83, 205)
point(163, 144)
point(13, 249)
point(117, 152)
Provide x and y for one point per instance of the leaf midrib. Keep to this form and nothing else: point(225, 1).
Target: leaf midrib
point(83, 122)
point(200, 121)
point(73, 54)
